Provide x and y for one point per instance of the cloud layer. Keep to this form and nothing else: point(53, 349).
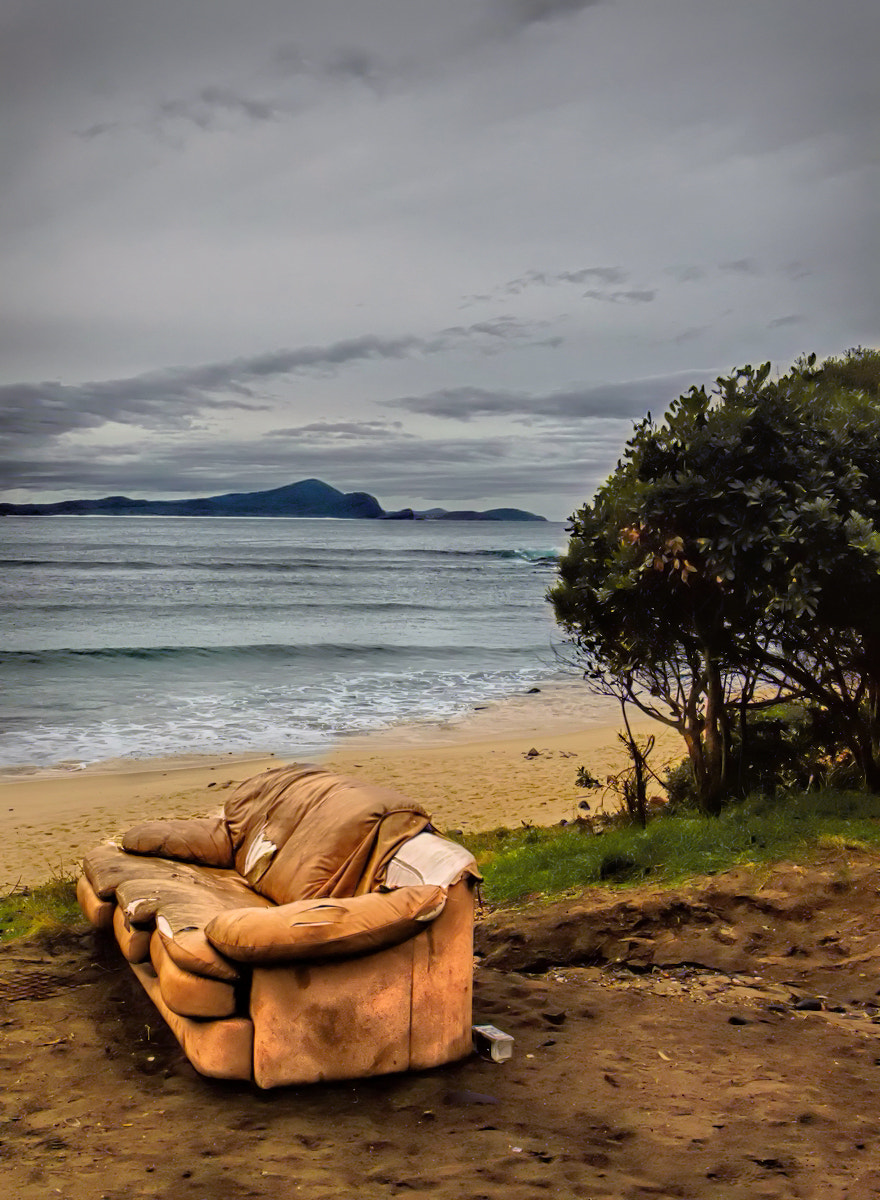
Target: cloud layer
point(485, 235)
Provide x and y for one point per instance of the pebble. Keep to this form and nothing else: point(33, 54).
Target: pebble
point(555, 1016)
point(808, 1004)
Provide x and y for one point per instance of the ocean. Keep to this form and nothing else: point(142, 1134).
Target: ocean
point(138, 637)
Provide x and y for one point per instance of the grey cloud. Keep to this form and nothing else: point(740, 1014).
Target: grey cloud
point(45, 410)
point(691, 333)
point(329, 430)
point(630, 296)
point(523, 13)
point(177, 394)
point(354, 63)
point(687, 274)
point(791, 319)
point(607, 275)
point(212, 105)
point(739, 266)
point(535, 278)
point(97, 130)
point(619, 401)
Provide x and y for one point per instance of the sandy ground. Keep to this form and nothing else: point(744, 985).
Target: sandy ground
point(471, 774)
point(720, 1041)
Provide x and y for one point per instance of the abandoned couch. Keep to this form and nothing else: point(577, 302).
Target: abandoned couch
point(318, 929)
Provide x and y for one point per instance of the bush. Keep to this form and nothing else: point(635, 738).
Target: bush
point(789, 747)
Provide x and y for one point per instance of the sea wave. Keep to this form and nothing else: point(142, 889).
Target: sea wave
point(320, 652)
point(329, 561)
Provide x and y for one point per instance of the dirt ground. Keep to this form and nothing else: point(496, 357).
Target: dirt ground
point(719, 1041)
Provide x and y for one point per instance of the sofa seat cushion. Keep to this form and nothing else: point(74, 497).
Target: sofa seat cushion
point(107, 866)
point(300, 832)
point(202, 840)
point(187, 994)
point(322, 929)
point(180, 909)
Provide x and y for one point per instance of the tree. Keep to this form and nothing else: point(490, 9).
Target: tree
point(735, 547)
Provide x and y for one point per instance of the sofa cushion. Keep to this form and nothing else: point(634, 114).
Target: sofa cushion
point(300, 832)
point(202, 840)
point(187, 994)
point(429, 858)
point(106, 867)
point(181, 908)
point(320, 929)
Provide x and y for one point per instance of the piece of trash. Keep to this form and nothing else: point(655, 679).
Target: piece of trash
point(516, 1149)
point(665, 1057)
point(492, 1041)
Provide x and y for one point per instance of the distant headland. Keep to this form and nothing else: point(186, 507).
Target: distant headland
point(307, 498)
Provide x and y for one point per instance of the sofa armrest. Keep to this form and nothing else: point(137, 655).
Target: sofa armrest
point(202, 840)
point(326, 928)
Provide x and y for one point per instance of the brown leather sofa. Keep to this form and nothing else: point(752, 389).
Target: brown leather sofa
point(318, 929)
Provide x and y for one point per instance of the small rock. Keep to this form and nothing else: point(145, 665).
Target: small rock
point(533, 691)
point(555, 1016)
point(737, 1020)
point(583, 806)
point(533, 753)
point(808, 1004)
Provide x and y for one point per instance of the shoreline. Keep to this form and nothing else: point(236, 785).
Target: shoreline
point(472, 772)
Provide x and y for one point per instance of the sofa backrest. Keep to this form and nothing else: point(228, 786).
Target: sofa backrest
point(300, 832)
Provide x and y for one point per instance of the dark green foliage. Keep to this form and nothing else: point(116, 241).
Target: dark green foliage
point(736, 548)
point(789, 747)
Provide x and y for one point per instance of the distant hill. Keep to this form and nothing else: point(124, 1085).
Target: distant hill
point(308, 498)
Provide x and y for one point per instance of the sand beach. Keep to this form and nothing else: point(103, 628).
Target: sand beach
point(471, 773)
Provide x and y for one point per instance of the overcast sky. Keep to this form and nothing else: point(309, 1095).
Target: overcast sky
point(444, 251)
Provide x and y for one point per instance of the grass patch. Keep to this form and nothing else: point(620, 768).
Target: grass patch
point(549, 861)
point(41, 911)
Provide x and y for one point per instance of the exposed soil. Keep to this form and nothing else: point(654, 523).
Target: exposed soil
point(721, 1040)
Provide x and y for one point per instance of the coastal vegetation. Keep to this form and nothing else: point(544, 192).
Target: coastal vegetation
point(41, 911)
point(732, 562)
point(548, 862)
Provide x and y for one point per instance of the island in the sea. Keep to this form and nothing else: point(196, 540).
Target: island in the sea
point(307, 498)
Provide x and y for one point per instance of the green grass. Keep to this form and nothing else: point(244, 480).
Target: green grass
point(40, 911)
point(549, 862)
